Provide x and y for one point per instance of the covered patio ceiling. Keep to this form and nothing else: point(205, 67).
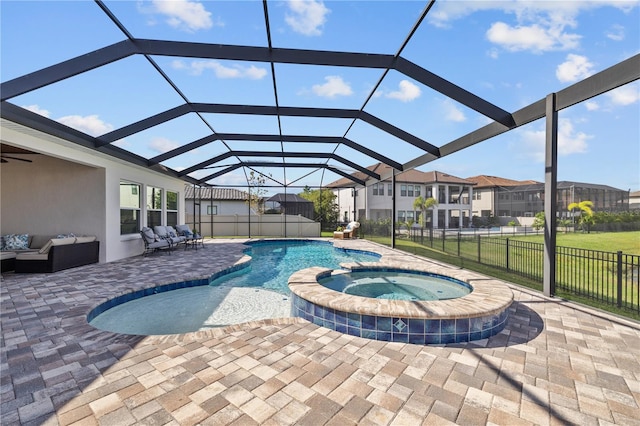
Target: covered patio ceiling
point(291, 140)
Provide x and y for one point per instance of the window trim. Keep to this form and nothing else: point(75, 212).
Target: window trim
point(137, 186)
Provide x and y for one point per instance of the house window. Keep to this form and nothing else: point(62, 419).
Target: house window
point(212, 210)
point(129, 208)
point(454, 194)
point(401, 216)
point(477, 195)
point(417, 190)
point(410, 190)
point(403, 190)
point(441, 194)
point(389, 189)
point(410, 216)
point(154, 206)
point(172, 208)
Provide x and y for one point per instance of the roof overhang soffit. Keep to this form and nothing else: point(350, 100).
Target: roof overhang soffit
point(29, 119)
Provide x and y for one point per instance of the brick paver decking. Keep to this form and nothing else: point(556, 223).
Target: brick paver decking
point(555, 363)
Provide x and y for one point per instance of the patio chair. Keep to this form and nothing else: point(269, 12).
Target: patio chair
point(349, 232)
point(170, 234)
point(152, 242)
point(191, 238)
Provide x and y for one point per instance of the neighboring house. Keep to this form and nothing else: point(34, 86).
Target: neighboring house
point(506, 198)
point(634, 200)
point(374, 202)
point(493, 196)
point(211, 201)
point(66, 188)
point(291, 204)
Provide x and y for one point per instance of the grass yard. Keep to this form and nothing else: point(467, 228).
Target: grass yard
point(627, 242)
point(588, 278)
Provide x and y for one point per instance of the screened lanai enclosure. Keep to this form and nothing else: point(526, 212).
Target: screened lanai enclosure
point(256, 96)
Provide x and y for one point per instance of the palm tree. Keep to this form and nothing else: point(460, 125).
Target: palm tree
point(586, 213)
point(424, 204)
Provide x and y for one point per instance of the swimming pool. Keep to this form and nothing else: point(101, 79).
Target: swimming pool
point(250, 292)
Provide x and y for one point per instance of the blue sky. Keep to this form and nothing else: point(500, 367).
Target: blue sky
point(511, 53)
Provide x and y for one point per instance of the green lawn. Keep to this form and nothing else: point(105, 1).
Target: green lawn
point(577, 274)
point(627, 242)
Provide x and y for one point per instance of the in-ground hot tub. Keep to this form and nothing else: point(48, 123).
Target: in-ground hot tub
point(394, 284)
point(477, 315)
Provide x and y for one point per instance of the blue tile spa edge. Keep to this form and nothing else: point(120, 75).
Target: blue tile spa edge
point(400, 329)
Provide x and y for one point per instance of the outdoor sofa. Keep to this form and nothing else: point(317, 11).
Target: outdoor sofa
point(47, 253)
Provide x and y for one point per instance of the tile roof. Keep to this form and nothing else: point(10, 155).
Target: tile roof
point(486, 181)
point(212, 193)
point(409, 176)
point(289, 198)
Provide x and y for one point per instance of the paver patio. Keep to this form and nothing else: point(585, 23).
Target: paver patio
point(555, 363)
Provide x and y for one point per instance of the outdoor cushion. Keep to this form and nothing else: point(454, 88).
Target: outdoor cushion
point(149, 235)
point(85, 239)
point(45, 248)
point(65, 236)
point(160, 230)
point(16, 242)
point(8, 255)
point(158, 244)
point(32, 256)
point(38, 241)
point(63, 241)
point(184, 230)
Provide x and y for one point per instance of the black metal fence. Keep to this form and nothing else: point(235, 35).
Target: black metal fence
point(611, 278)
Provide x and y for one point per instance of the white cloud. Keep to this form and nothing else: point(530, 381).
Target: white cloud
point(535, 38)
point(251, 72)
point(407, 91)
point(452, 112)
point(334, 86)
point(625, 95)
point(90, 124)
point(162, 145)
point(574, 68)
point(616, 33)
point(537, 26)
point(37, 110)
point(185, 15)
point(307, 16)
point(570, 141)
point(592, 105)
point(448, 11)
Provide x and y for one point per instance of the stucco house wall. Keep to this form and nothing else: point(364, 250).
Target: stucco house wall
point(72, 189)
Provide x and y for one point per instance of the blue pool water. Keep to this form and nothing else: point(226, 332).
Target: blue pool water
point(273, 262)
point(396, 285)
point(257, 292)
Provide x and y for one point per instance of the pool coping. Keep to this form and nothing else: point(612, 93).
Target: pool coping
point(489, 296)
